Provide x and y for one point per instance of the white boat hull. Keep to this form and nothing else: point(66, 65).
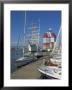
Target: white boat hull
point(50, 71)
point(23, 61)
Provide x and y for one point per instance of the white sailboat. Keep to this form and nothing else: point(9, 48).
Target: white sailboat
point(31, 55)
point(53, 67)
point(26, 56)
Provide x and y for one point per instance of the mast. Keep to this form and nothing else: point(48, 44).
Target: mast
point(24, 33)
point(38, 35)
point(35, 34)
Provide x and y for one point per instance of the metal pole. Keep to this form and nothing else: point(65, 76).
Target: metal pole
point(38, 35)
point(39, 31)
point(24, 33)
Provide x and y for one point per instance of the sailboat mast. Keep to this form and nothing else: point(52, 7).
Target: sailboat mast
point(39, 32)
point(56, 40)
point(24, 32)
point(38, 36)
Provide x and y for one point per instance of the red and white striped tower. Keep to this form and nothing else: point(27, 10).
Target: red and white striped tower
point(49, 40)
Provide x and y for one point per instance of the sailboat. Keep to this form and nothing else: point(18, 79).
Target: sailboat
point(51, 66)
point(26, 58)
point(32, 54)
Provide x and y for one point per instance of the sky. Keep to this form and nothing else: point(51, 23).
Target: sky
point(48, 19)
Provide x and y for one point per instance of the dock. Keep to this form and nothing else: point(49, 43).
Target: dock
point(28, 71)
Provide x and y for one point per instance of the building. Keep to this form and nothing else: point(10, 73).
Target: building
point(49, 39)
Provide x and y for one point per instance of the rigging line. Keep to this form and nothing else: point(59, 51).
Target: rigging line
point(17, 45)
point(18, 41)
point(19, 38)
point(56, 41)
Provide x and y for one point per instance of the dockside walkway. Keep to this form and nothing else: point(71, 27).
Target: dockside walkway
point(28, 71)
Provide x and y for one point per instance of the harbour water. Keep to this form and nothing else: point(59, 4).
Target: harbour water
point(15, 54)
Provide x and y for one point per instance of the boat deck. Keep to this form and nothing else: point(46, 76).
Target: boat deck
point(50, 73)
